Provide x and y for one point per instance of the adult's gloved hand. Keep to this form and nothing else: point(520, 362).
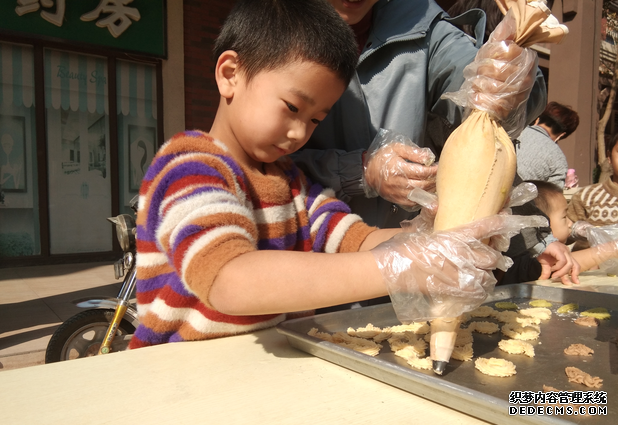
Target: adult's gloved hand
point(394, 165)
point(500, 78)
point(444, 274)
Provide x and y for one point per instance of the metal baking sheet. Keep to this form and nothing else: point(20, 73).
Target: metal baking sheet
point(464, 388)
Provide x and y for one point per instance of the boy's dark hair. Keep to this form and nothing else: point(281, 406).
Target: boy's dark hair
point(268, 34)
point(560, 118)
point(609, 145)
point(546, 192)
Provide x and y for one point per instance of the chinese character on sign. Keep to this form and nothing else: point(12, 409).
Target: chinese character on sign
point(120, 17)
point(27, 6)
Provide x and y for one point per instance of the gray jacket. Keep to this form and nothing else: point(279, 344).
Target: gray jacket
point(539, 157)
point(412, 56)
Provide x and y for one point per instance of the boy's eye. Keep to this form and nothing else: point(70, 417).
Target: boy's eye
point(316, 122)
point(292, 107)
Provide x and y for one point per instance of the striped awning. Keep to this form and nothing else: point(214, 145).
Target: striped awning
point(136, 89)
point(76, 82)
point(16, 75)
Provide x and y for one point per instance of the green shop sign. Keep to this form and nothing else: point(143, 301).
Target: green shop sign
point(128, 25)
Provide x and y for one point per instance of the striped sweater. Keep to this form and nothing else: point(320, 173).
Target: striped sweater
point(198, 210)
point(596, 204)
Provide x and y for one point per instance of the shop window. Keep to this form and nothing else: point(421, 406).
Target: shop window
point(77, 123)
point(19, 220)
point(137, 126)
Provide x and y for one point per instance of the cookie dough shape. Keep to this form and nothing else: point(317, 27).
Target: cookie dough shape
point(524, 333)
point(342, 339)
point(506, 305)
point(410, 344)
point(567, 308)
point(463, 353)
point(587, 321)
point(414, 327)
point(495, 367)
point(506, 316)
point(578, 350)
point(482, 311)
point(423, 364)
point(514, 346)
point(580, 377)
point(540, 303)
point(484, 327)
point(537, 312)
point(600, 313)
point(464, 336)
point(368, 331)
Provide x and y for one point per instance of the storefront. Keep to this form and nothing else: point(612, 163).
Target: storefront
point(80, 121)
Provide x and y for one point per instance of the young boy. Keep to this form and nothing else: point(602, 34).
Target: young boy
point(231, 235)
point(551, 201)
point(598, 203)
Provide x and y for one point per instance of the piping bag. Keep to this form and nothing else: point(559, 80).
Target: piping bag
point(477, 186)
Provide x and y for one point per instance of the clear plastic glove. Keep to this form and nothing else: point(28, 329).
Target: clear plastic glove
point(394, 165)
point(500, 78)
point(604, 235)
point(429, 207)
point(445, 274)
point(579, 230)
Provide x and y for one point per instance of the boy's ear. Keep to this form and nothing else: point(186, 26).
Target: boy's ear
point(226, 73)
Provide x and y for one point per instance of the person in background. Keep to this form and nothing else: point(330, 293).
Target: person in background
point(552, 202)
point(598, 203)
point(538, 155)
point(231, 235)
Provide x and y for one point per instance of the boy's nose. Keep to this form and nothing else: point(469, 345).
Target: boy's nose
point(298, 132)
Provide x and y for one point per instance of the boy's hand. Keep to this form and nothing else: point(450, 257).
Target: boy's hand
point(444, 274)
point(556, 261)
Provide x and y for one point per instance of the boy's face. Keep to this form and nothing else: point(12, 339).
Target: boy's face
point(558, 221)
point(276, 112)
point(352, 11)
point(613, 159)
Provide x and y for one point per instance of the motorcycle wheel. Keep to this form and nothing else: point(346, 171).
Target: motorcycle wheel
point(82, 335)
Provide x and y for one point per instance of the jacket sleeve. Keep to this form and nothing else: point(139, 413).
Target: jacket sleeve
point(559, 171)
point(335, 168)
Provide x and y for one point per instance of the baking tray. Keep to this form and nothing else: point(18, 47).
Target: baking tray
point(464, 388)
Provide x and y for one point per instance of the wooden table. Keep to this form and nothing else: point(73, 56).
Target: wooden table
point(249, 379)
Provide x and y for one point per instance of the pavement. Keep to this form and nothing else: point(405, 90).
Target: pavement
point(35, 300)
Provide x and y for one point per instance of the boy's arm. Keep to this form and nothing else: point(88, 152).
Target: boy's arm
point(265, 282)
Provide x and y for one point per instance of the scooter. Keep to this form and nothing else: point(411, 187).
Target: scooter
point(109, 323)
